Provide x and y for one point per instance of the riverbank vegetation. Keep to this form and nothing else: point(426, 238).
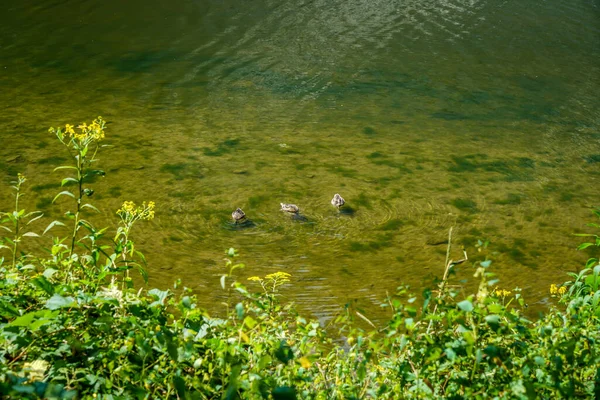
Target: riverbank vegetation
point(72, 324)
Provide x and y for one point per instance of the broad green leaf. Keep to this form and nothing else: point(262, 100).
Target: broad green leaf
point(465, 305)
point(289, 393)
point(159, 296)
point(24, 320)
point(44, 284)
point(250, 322)
point(57, 301)
point(239, 309)
point(469, 338)
point(496, 308)
point(7, 310)
point(49, 272)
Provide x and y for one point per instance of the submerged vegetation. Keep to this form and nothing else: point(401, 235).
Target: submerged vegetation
point(72, 325)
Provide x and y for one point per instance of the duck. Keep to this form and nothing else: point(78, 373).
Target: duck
point(291, 208)
point(238, 215)
point(338, 201)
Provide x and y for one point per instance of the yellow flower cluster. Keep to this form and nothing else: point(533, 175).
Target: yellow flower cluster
point(93, 131)
point(558, 290)
point(86, 134)
point(279, 276)
point(502, 292)
point(272, 282)
point(130, 211)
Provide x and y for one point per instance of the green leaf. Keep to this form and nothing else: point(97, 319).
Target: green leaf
point(496, 308)
point(465, 305)
point(239, 309)
point(469, 337)
point(142, 272)
point(64, 192)
point(57, 301)
point(284, 352)
point(43, 283)
point(31, 234)
point(65, 167)
point(159, 296)
point(223, 281)
point(7, 310)
point(34, 320)
point(67, 180)
point(250, 322)
point(179, 384)
point(24, 320)
point(88, 205)
point(34, 219)
point(584, 246)
point(49, 272)
point(52, 224)
point(284, 393)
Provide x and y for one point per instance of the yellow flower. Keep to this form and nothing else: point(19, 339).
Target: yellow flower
point(305, 362)
point(502, 292)
point(254, 278)
point(129, 211)
point(281, 276)
point(69, 129)
point(562, 290)
point(553, 289)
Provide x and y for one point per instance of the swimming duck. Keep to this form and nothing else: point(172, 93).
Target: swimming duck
point(238, 215)
point(291, 208)
point(338, 201)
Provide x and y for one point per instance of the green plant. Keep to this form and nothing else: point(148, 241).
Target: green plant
point(19, 219)
point(82, 147)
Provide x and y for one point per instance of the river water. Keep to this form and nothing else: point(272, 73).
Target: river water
point(424, 115)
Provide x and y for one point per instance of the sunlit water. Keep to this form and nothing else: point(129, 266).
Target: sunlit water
point(424, 115)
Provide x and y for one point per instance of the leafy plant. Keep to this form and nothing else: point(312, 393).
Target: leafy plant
point(18, 219)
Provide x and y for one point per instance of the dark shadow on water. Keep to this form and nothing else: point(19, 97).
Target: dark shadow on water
point(299, 218)
point(347, 211)
point(238, 226)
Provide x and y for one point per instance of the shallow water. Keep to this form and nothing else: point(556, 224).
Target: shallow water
point(424, 115)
